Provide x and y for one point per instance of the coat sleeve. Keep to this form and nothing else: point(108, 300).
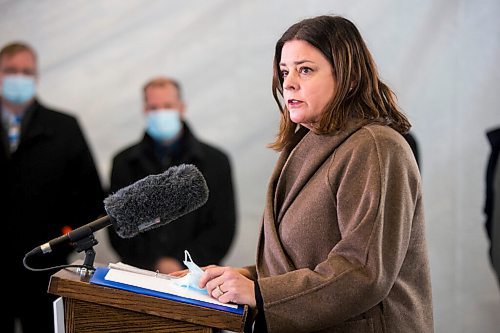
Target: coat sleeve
point(375, 185)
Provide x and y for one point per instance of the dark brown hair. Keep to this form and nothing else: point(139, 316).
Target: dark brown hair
point(359, 92)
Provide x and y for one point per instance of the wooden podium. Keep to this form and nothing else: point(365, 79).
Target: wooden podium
point(94, 308)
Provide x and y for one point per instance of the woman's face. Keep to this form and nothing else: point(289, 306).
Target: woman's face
point(308, 82)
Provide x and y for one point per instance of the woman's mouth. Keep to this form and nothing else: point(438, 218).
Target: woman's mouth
point(293, 103)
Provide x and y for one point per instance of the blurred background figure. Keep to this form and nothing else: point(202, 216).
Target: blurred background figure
point(412, 141)
point(492, 206)
point(206, 233)
point(49, 184)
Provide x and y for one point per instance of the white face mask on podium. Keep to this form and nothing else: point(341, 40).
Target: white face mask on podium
point(191, 279)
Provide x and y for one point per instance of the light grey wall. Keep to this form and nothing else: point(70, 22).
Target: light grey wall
point(441, 58)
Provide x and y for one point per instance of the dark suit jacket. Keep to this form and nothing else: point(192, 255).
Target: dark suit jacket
point(491, 206)
point(410, 138)
point(207, 232)
point(49, 182)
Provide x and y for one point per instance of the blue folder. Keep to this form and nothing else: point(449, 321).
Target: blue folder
point(100, 273)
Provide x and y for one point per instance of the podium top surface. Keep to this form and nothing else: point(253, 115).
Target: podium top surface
point(161, 290)
point(68, 283)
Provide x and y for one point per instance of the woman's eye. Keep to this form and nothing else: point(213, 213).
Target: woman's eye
point(305, 70)
point(284, 73)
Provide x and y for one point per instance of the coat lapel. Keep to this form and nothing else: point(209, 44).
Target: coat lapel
point(303, 162)
point(269, 237)
point(295, 166)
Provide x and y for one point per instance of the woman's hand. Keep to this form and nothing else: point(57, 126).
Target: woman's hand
point(227, 284)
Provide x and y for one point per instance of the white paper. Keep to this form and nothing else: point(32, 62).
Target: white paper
point(58, 306)
point(128, 268)
point(160, 284)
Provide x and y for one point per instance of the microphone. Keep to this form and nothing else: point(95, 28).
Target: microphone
point(146, 204)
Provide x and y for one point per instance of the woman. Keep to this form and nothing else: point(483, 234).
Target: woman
point(342, 245)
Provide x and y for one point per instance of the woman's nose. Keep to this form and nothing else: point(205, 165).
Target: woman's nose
point(290, 82)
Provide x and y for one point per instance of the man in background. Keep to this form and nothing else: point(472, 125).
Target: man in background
point(49, 184)
point(207, 232)
point(410, 138)
point(492, 204)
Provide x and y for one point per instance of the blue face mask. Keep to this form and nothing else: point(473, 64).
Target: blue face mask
point(163, 124)
point(191, 279)
point(18, 89)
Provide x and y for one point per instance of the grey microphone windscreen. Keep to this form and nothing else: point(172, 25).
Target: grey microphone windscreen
point(156, 200)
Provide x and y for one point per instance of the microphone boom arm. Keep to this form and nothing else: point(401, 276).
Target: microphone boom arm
point(72, 236)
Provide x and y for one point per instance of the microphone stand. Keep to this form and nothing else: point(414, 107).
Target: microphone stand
point(87, 244)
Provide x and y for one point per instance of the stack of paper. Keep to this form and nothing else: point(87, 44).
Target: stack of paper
point(150, 283)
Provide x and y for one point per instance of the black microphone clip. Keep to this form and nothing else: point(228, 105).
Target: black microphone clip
point(83, 240)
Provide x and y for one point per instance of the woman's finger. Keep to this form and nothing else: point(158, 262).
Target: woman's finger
point(210, 274)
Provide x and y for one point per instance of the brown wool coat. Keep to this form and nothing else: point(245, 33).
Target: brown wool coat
point(342, 246)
